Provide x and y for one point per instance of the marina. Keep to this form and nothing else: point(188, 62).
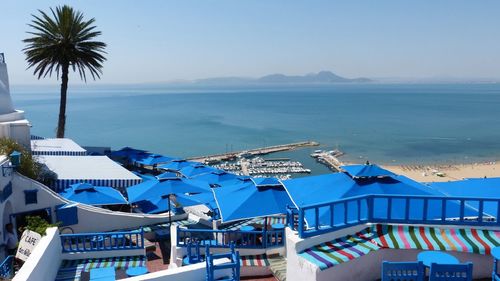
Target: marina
point(260, 167)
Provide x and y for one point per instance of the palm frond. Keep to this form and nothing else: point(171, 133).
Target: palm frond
point(64, 38)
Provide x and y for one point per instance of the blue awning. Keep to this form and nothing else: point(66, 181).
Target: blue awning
point(206, 198)
point(154, 159)
point(473, 188)
point(333, 187)
point(152, 189)
point(217, 177)
point(266, 182)
point(154, 205)
point(196, 169)
point(176, 165)
point(167, 175)
point(367, 171)
point(127, 151)
point(249, 201)
point(94, 195)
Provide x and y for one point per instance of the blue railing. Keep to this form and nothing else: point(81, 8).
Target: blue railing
point(257, 239)
point(7, 268)
point(105, 241)
point(327, 217)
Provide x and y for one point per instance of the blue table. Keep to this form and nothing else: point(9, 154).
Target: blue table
point(136, 271)
point(278, 226)
point(430, 257)
point(247, 228)
point(102, 274)
point(495, 252)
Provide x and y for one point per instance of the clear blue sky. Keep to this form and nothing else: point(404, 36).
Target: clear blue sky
point(153, 41)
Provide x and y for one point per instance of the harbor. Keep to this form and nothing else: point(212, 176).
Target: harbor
point(282, 168)
point(231, 156)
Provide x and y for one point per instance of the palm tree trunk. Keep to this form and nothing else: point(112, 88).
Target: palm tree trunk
point(61, 124)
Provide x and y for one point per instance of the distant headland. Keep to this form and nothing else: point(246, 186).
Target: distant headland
point(322, 77)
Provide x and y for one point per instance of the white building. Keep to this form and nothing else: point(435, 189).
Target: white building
point(13, 125)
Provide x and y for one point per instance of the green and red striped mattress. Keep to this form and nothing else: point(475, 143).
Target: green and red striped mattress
point(255, 260)
point(344, 249)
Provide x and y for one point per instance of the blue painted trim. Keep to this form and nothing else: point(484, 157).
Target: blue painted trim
point(392, 216)
point(102, 241)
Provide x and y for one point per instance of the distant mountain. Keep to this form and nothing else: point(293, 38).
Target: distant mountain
point(322, 77)
point(314, 78)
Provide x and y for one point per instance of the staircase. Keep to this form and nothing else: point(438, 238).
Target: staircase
point(234, 264)
point(278, 266)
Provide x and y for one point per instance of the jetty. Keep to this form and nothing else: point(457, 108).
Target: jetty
point(215, 158)
point(329, 158)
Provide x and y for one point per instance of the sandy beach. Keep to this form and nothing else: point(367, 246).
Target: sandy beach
point(443, 172)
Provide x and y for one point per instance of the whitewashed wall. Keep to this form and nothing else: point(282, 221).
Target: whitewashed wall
point(44, 261)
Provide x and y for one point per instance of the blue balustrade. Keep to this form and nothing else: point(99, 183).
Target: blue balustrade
point(7, 268)
point(103, 241)
point(322, 218)
point(255, 239)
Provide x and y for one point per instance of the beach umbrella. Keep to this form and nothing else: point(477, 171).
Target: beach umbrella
point(196, 169)
point(154, 159)
point(248, 200)
point(154, 189)
point(217, 178)
point(88, 194)
point(176, 165)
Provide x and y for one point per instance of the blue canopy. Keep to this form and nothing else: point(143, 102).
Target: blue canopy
point(474, 188)
point(249, 201)
point(88, 194)
point(195, 170)
point(217, 177)
point(126, 152)
point(266, 182)
point(167, 175)
point(357, 171)
point(154, 159)
point(206, 198)
point(176, 165)
point(333, 187)
point(152, 189)
point(154, 205)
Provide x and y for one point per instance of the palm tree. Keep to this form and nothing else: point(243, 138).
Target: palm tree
point(62, 41)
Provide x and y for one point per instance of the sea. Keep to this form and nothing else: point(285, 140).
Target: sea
point(380, 123)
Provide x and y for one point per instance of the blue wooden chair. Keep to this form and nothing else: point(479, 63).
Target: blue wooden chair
point(407, 271)
point(451, 272)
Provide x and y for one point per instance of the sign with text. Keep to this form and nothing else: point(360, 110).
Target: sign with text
point(28, 241)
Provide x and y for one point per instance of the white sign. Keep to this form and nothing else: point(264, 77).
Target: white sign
point(28, 241)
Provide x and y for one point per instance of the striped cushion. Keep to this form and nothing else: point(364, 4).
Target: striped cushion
point(256, 260)
point(341, 250)
point(329, 254)
point(71, 270)
point(475, 241)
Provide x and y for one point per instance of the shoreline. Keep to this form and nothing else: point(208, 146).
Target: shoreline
point(446, 172)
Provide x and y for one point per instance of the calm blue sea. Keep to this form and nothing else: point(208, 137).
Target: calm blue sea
point(384, 123)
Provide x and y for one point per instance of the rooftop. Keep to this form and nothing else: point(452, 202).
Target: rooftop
point(56, 145)
point(86, 167)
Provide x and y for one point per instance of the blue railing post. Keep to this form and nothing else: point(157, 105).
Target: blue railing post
point(369, 203)
point(301, 222)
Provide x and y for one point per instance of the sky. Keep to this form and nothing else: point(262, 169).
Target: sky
point(161, 40)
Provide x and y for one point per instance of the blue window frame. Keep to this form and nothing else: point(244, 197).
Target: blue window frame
point(30, 196)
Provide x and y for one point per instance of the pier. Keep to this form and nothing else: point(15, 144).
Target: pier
point(330, 159)
point(252, 152)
